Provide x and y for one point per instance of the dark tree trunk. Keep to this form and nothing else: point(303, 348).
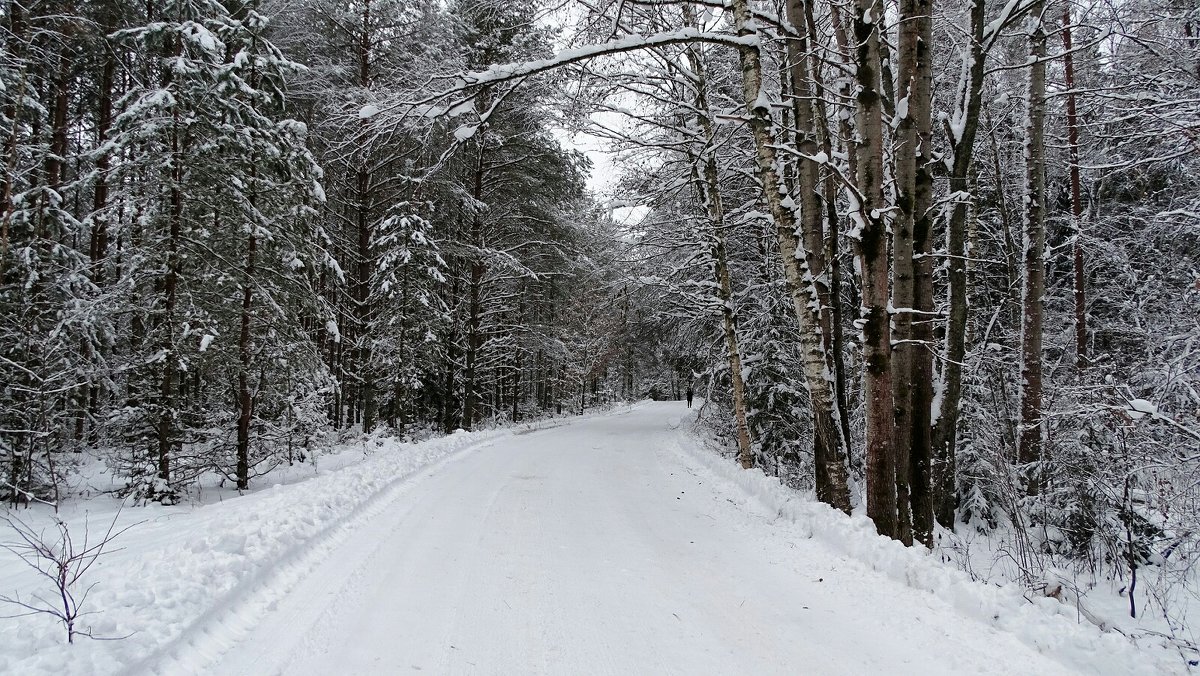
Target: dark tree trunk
point(474, 300)
point(912, 276)
point(1030, 445)
point(168, 409)
point(365, 380)
point(98, 245)
point(872, 250)
point(1080, 279)
point(245, 397)
point(16, 27)
point(362, 301)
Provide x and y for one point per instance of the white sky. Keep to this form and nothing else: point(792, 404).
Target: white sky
point(605, 174)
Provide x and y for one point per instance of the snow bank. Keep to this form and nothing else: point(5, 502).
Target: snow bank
point(1043, 623)
point(192, 580)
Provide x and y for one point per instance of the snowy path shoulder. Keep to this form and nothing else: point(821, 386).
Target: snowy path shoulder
point(1049, 627)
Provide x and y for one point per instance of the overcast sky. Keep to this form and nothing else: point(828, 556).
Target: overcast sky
point(603, 180)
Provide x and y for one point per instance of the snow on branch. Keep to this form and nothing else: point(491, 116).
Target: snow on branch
point(503, 72)
point(459, 98)
point(517, 71)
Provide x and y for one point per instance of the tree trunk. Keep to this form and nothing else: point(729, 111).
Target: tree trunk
point(945, 430)
point(245, 398)
point(167, 413)
point(921, 405)
point(16, 29)
point(475, 310)
point(906, 150)
point(1081, 347)
point(365, 400)
point(517, 366)
point(56, 159)
point(450, 401)
point(805, 300)
point(733, 352)
point(832, 224)
point(709, 190)
point(868, 214)
point(98, 245)
point(830, 445)
point(912, 389)
point(1030, 444)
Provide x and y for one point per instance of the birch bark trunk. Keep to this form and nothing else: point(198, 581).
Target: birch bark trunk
point(708, 186)
point(805, 299)
point(812, 227)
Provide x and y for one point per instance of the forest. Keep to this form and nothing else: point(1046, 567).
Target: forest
point(937, 261)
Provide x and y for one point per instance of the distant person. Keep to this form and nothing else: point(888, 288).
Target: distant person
point(690, 394)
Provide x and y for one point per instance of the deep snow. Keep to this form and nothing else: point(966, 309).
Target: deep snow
point(613, 544)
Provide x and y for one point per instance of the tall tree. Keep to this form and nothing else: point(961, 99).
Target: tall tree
point(868, 211)
point(1079, 277)
point(1034, 266)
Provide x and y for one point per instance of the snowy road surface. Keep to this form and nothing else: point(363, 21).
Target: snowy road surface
point(602, 547)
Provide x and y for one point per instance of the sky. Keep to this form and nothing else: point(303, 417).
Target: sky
point(605, 173)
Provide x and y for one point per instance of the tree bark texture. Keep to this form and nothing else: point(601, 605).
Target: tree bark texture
point(868, 213)
point(1029, 451)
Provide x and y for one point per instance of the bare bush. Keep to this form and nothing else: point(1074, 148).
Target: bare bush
point(63, 562)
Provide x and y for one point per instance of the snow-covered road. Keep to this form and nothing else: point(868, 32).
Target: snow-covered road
point(601, 547)
point(614, 543)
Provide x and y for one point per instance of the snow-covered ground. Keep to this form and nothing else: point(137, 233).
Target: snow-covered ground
point(612, 544)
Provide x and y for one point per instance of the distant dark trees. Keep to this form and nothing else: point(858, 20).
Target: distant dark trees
point(216, 251)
